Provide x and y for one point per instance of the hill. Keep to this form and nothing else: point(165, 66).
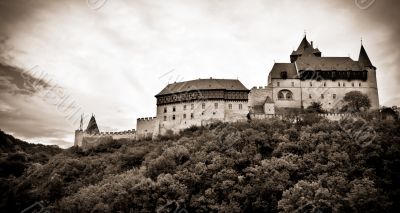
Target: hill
point(257, 166)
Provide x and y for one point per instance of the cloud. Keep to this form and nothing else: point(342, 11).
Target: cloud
point(24, 111)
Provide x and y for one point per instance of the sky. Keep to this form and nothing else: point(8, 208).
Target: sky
point(61, 59)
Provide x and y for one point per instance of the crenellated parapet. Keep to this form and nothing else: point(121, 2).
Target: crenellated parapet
point(148, 119)
point(86, 139)
point(260, 88)
point(329, 116)
point(127, 132)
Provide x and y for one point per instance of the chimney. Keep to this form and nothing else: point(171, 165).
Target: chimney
point(312, 44)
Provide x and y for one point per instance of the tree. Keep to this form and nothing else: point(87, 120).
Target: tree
point(315, 107)
point(388, 112)
point(356, 101)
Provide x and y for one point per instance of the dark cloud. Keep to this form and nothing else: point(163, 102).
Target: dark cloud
point(23, 111)
point(18, 81)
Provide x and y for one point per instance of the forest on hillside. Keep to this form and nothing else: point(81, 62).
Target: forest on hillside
point(311, 165)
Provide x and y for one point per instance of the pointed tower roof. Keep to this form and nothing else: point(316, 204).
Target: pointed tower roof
point(363, 58)
point(269, 100)
point(92, 126)
point(305, 49)
point(303, 44)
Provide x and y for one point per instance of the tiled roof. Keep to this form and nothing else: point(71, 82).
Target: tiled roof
point(203, 84)
point(289, 68)
point(311, 62)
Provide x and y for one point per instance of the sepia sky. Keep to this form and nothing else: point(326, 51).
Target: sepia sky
point(59, 59)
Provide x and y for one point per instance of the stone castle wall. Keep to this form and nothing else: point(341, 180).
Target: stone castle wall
point(329, 93)
point(329, 116)
point(179, 116)
point(86, 140)
point(257, 97)
point(146, 128)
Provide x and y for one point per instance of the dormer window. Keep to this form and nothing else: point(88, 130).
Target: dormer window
point(284, 75)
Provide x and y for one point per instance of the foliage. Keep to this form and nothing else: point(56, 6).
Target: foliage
point(315, 107)
point(258, 166)
point(355, 101)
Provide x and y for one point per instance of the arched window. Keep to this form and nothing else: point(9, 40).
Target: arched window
point(289, 95)
point(281, 96)
point(285, 95)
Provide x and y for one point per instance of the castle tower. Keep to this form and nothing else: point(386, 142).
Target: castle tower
point(309, 78)
point(305, 48)
point(92, 127)
point(365, 64)
point(269, 106)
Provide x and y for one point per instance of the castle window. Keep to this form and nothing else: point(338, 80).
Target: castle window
point(240, 106)
point(203, 105)
point(344, 84)
point(184, 107)
point(284, 75)
point(310, 84)
point(334, 96)
point(309, 96)
point(202, 113)
point(338, 83)
point(184, 116)
point(216, 105)
point(165, 109)
point(173, 109)
point(292, 84)
point(173, 117)
point(324, 84)
point(278, 84)
point(213, 113)
point(192, 106)
point(191, 115)
point(285, 95)
point(352, 84)
point(359, 84)
point(230, 106)
point(165, 118)
point(280, 95)
point(322, 96)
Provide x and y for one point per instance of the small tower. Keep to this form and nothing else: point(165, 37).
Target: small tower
point(92, 127)
point(79, 134)
point(363, 59)
point(269, 106)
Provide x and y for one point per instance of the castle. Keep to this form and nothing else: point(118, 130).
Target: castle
point(308, 78)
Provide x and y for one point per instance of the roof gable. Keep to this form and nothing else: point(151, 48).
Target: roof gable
point(278, 68)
